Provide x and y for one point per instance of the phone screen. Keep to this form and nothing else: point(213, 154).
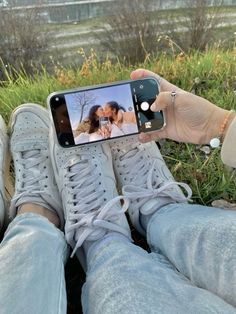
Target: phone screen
point(105, 112)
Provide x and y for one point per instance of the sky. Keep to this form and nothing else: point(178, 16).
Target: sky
point(121, 94)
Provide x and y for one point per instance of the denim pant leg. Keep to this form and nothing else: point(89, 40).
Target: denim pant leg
point(32, 257)
point(200, 242)
point(124, 278)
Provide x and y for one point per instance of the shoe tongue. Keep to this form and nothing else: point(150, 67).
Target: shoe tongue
point(75, 163)
point(152, 205)
point(149, 206)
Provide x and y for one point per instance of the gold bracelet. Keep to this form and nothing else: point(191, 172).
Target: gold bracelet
point(216, 141)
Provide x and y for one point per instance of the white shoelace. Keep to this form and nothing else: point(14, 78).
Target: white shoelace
point(147, 183)
point(32, 173)
point(88, 215)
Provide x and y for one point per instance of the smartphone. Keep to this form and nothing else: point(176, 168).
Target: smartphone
point(105, 126)
point(105, 112)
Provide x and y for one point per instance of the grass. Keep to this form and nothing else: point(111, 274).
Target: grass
point(215, 72)
point(211, 75)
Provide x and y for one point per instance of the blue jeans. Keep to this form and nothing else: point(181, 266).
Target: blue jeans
point(191, 269)
point(32, 257)
point(191, 246)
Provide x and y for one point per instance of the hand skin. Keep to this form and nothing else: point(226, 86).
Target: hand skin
point(189, 118)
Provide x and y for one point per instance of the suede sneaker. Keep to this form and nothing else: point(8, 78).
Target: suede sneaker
point(34, 178)
point(144, 179)
point(88, 188)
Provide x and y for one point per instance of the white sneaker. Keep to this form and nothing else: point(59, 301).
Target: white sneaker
point(144, 178)
point(34, 178)
point(3, 157)
point(88, 188)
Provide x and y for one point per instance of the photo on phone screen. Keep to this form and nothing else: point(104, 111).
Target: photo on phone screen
point(105, 112)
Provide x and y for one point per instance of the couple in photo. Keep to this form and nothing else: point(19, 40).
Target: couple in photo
point(109, 121)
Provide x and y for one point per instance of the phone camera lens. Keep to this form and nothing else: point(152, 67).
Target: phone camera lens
point(57, 98)
point(141, 86)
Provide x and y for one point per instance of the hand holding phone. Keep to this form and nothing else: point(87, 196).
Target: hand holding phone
point(105, 127)
point(105, 112)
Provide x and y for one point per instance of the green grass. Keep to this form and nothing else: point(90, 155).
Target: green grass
point(207, 176)
point(216, 73)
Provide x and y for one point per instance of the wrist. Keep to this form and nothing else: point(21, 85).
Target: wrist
point(220, 122)
point(230, 120)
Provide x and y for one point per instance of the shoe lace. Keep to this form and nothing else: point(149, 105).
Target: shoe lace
point(146, 181)
point(89, 217)
point(33, 172)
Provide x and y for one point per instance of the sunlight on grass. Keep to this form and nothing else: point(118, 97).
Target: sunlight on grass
point(211, 75)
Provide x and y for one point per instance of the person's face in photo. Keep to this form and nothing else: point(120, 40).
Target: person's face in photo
point(109, 112)
point(100, 112)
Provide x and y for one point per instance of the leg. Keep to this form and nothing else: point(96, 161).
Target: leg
point(200, 242)
point(123, 278)
point(33, 250)
point(32, 255)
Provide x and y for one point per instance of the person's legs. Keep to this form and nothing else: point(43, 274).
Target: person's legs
point(33, 251)
point(200, 242)
point(32, 257)
point(197, 240)
point(123, 278)
point(120, 277)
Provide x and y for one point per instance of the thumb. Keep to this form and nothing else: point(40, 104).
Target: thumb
point(152, 136)
point(139, 73)
point(163, 100)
